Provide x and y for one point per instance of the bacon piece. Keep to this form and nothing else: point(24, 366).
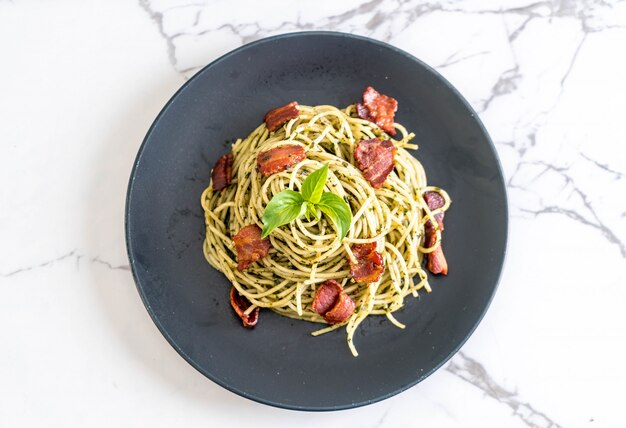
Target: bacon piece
point(275, 118)
point(222, 172)
point(379, 109)
point(279, 158)
point(436, 260)
point(435, 201)
point(240, 304)
point(326, 296)
point(332, 303)
point(376, 160)
point(249, 246)
point(341, 311)
point(369, 264)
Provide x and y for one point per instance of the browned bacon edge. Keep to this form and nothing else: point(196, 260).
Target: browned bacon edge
point(249, 246)
point(369, 264)
point(437, 262)
point(222, 172)
point(378, 108)
point(376, 160)
point(240, 304)
point(279, 158)
point(332, 303)
point(278, 116)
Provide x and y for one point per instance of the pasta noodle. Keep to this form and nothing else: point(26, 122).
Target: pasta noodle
point(307, 253)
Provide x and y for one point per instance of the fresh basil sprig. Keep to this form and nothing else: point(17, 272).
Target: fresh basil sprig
point(288, 205)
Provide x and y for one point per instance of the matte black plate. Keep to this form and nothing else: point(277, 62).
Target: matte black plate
point(279, 363)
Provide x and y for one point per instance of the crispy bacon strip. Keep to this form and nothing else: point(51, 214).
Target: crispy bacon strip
point(376, 160)
point(275, 118)
point(332, 303)
point(240, 304)
point(435, 201)
point(436, 260)
point(222, 172)
point(249, 246)
point(341, 311)
point(326, 296)
point(279, 158)
point(379, 109)
point(369, 264)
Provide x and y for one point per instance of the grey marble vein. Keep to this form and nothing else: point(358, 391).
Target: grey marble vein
point(576, 216)
point(618, 175)
point(379, 423)
point(514, 34)
point(507, 83)
point(453, 59)
point(109, 265)
point(71, 255)
point(39, 265)
point(572, 62)
point(594, 221)
point(362, 8)
point(157, 18)
point(473, 372)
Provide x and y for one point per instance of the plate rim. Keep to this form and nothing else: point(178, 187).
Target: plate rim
point(208, 374)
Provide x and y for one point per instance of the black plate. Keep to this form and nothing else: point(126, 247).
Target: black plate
point(279, 363)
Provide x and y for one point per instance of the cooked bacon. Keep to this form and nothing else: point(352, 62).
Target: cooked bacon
point(436, 260)
point(326, 296)
point(341, 311)
point(379, 109)
point(369, 264)
point(435, 201)
point(240, 304)
point(222, 172)
point(279, 158)
point(249, 246)
point(375, 159)
point(275, 118)
point(332, 303)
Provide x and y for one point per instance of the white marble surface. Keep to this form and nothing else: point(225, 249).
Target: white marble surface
point(80, 83)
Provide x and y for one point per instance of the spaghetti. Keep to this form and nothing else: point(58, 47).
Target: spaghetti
point(306, 253)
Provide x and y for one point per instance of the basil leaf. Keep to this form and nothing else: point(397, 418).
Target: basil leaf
point(283, 208)
point(338, 211)
point(313, 186)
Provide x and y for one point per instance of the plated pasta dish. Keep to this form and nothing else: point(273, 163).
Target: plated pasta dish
point(322, 214)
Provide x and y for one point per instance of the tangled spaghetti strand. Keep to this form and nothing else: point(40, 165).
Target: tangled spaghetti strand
point(306, 253)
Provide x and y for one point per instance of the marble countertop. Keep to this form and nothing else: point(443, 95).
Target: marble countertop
point(81, 83)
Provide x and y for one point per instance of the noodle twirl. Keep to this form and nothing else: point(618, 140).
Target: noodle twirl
point(306, 253)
